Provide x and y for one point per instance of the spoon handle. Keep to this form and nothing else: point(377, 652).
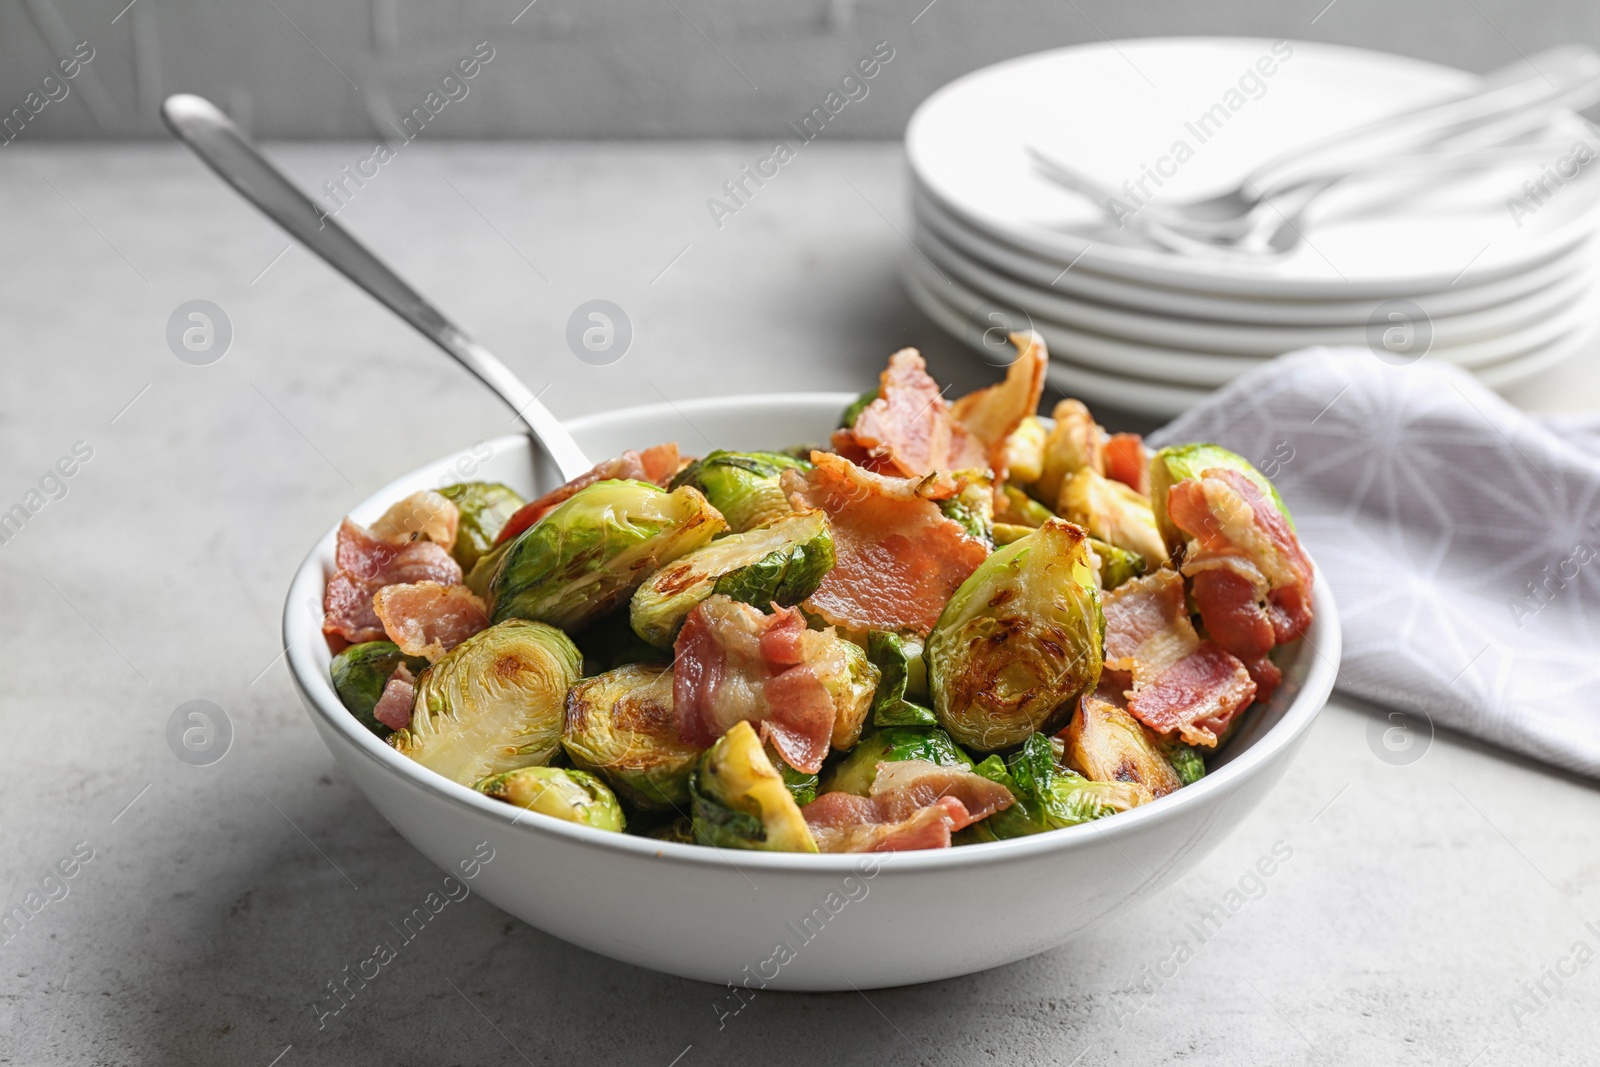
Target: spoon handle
point(227, 150)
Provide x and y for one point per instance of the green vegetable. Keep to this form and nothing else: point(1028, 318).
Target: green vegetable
point(1023, 510)
point(1107, 744)
point(782, 562)
point(1115, 565)
point(620, 725)
point(973, 505)
point(484, 507)
point(857, 406)
point(1113, 513)
point(1186, 761)
point(557, 792)
point(493, 703)
point(360, 673)
point(610, 643)
point(898, 659)
point(1178, 463)
point(743, 486)
point(851, 685)
point(739, 800)
point(1048, 797)
point(588, 555)
point(856, 772)
point(1019, 641)
point(801, 786)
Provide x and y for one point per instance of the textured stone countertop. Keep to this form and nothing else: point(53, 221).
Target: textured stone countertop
point(1421, 903)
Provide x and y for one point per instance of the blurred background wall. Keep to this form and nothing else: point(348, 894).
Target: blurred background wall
point(635, 68)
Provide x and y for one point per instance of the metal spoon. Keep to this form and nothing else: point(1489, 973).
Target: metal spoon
point(226, 149)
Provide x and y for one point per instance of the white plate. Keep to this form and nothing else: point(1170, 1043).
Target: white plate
point(1105, 289)
point(1117, 108)
point(1116, 355)
point(850, 922)
point(1243, 339)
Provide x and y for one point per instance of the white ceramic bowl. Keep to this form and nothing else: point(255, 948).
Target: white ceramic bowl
point(844, 921)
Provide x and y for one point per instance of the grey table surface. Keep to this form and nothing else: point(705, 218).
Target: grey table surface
point(1430, 914)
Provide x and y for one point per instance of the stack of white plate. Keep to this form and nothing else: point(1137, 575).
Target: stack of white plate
point(1492, 270)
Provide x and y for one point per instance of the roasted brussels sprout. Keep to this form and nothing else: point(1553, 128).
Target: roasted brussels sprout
point(973, 505)
point(1024, 454)
point(1022, 510)
point(360, 673)
point(743, 486)
point(901, 671)
point(1048, 797)
point(1106, 744)
point(620, 725)
point(1115, 565)
point(1186, 760)
point(857, 406)
point(485, 507)
point(1175, 464)
point(588, 555)
point(559, 793)
point(856, 772)
point(493, 703)
point(739, 800)
point(1075, 442)
point(1113, 513)
point(1019, 641)
point(801, 786)
point(852, 690)
point(782, 562)
point(611, 643)
point(1006, 533)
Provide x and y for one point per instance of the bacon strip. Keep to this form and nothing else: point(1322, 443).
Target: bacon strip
point(913, 804)
point(399, 694)
point(991, 415)
point(908, 430)
point(1178, 682)
point(897, 559)
point(364, 565)
point(1128, 462)
point(733, 663)
point(429, 619)
point(656, 465)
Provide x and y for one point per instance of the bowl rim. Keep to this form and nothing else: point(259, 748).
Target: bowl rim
point(1323, 643)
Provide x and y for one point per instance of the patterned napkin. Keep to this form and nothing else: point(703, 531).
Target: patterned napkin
point(1461, 538)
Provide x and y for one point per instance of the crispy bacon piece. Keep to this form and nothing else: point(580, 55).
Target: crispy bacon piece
point(992, 414)
point(913, 804)
point(1197, 696)
point(897, 558)
point(365, 565)
point(1252, 579)
point(1128, 462)
point(399, 694)
point(733, 663)
point(429, 619)
point(657, 465)
point(1178, 682)
point(908, 430)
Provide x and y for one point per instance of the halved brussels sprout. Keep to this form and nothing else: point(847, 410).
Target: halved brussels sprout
point(801, 786)
point(973, 505)
point(360, 674)
point(743, 486)
point(782, 562)
point(620, 725)
point(1075, 442)
point(856, 772)
point(485, 507)
point(611, 643)
point(1006, 533)
point(493, 703)
point(851, 688)
point(1019, 642)
point(1172, 465)
point(738, 799)
point(1112, 512)
point(1115, 565)
point(901, 671)
point(857, 406)
point(1022, 510)
point(559, 793)
point(1048, 797)
point(1186, 760)
point(1024, 455)
point(588, 555)
point(1107, 744)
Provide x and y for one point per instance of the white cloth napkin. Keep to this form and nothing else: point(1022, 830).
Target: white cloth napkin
point(1461, 538)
